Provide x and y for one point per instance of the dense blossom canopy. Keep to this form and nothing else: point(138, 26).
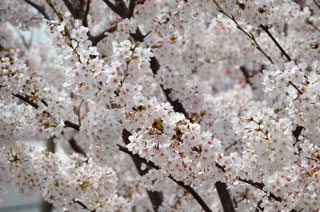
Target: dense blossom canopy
point(163, 105)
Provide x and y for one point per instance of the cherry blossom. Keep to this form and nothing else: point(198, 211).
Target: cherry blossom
point(162, 105)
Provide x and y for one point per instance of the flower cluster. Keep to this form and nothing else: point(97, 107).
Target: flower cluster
point(168, 105)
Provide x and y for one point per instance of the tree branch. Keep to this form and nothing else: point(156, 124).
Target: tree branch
point(71, 125)
point(75, 147)
point(260, 186)
point(296, 133)
point(253, 39)
point(113, 7)
point(316, 3)
point(71, 9)
point(39, 8)
point(131, 7)
point(177, 106)
point(78, 113)
point(265, 28)
point(97, 38)
point(246, 75)
point(155, 197)
point(195, 195)
point(224, 197)
point(85, 17)
point(83, 205)
point(258, 208)
point(25, 99)
point(250, 182)
point(249, 35)
point(36, 106)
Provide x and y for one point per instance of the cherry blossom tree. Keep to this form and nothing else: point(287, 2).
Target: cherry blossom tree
point(162, 105)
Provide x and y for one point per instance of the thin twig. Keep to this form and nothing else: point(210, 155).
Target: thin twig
point(309, 22)
point(83, 205)
point(25, 99)
point(78, 112)
point(265, 28)
point(54, 10)
point(36, 106)
point(249, 35)
point(252, 38)
point(260, 186)
point(66, 31)
point(231, 145)
point(316, 3)
point(293, 85)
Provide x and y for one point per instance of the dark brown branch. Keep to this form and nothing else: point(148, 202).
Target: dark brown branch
point(258, 208)
point(46, 206)
point(116, 9)
point(246, 75)
point(155, 66)
point(296, 133)
point(195, 195)
point(78, 113)
point(180, 183)
point(25, 99)
point(71, 125)
point(293, 85)
point(250, 182)
point(36, 106)
point(97, 38)
point(155, 197)
point(75, 147)
point(131, 7)
point(316, 3)
point(249, 35)
point(39, 8)
point(121, 8)
point(76, 8)
point(224, 196)
point(83, 205)
point(85, 17)
point(71, 9)
point(260, 186)
point(265, 28)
